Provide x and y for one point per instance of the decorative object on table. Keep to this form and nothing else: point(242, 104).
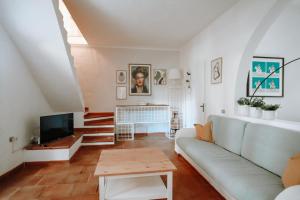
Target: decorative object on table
point(175, 123)
point(269, 111)
point(140, 79)
point(35, 139)
point(121, 76)
point(262, 67)
point(160, 76)
point(255, 107)
point(121, 92)
point(243, 106)
point(188, 79)
point(216, 71)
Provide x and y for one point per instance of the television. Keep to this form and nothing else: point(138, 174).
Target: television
point(54, 127)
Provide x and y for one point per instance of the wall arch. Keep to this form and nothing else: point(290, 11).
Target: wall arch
point(257, 36)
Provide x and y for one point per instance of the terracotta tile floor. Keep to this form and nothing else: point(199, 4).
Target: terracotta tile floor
point(75, 180)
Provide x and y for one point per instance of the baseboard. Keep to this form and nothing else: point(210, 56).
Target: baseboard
point(12, 171)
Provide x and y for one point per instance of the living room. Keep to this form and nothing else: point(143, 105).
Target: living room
point(164, 99)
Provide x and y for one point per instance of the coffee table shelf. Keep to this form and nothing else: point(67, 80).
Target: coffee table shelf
point(150, 187)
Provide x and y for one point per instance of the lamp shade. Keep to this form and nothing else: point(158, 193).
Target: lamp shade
point(174, 74)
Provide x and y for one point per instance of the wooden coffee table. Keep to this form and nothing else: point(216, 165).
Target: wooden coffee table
point(134, 174)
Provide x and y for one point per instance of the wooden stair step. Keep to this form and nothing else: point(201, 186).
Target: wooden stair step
point(99, 122)
point(95, 139)
point(92, 115)
point(94, 130)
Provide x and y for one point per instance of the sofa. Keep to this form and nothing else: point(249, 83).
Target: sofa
point(246, 160)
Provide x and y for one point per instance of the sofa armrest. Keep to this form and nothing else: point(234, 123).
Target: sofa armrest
point(186, 132)
point(290, 193)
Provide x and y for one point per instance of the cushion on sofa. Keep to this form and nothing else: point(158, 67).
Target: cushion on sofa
point(241, 178)
point(270, 147)
point(228, 133)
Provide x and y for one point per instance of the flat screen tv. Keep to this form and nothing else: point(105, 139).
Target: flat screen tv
point(56, 126)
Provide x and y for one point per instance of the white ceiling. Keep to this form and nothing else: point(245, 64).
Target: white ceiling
point(166, 24)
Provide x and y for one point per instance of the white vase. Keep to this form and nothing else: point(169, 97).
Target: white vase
point(243, 110)
point(255, 112)
point(269, 114)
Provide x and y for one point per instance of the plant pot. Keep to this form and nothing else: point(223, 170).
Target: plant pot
point(269, 114)
point(243, 110)
point(255, 112)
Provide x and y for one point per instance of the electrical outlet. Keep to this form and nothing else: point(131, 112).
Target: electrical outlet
point(13, 139)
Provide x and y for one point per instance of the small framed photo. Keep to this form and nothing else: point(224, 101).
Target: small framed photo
point(121, 92)
point(216, 71)
point(140, 80)
point(160, 76)
point(121, 76)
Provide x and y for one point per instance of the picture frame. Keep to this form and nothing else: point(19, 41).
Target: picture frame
point(160, 77)
point(260, 68)
point(216, 70)
point(121, 76)
point(140, 80)
point(121, 92)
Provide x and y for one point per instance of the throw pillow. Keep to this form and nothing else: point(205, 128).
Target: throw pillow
point(203, 132)
point(291, 174)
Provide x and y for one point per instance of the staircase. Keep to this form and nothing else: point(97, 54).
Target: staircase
point(99, 128)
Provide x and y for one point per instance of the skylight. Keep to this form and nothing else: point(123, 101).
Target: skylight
point(74, 34)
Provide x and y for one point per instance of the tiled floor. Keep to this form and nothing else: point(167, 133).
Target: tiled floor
point(75, 180)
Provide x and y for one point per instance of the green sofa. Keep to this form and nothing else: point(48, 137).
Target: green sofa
point(246, 161)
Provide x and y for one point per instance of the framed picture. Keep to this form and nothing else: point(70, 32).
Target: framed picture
point(121, 76)
point(216, 71)
point(140, 79)
point(121, 92)
point(160, 76)
point(260, 68)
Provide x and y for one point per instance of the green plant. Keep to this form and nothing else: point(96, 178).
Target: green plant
point(257, 102)
point(243, 101)
point(270, 107)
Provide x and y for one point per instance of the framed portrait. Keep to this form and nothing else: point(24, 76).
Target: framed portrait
point(216, 71)
point(260, 68)
point(140, 79)
point(160, 76)
point(121, 76)
point(121, 92)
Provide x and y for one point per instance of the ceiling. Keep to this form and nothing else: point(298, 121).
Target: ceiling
point(162, 24)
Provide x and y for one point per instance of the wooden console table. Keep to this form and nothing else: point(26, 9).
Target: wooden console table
point(134, 174)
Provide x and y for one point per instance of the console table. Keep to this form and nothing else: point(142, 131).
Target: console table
point(128, 116)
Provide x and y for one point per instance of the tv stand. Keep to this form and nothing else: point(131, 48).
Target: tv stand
point(59, 150)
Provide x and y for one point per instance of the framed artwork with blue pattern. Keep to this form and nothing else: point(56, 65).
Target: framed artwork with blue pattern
point(260, 68)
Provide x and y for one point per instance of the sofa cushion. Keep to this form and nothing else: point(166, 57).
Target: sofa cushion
point(291, 174)
point(228, 133)
point(270, 147)
point(203, 132)
point(238, 176)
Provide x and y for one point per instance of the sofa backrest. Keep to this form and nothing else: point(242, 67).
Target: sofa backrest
point(270, 147)
point(228, 133)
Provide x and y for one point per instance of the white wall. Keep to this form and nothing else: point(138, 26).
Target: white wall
point(282, 40)
point(97, 67)
point(36, 28)
point(21, 103)
point(227, 37)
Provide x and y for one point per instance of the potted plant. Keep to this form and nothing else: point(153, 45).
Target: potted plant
point(255, 107)
point(243, 106)
point(269, 111)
